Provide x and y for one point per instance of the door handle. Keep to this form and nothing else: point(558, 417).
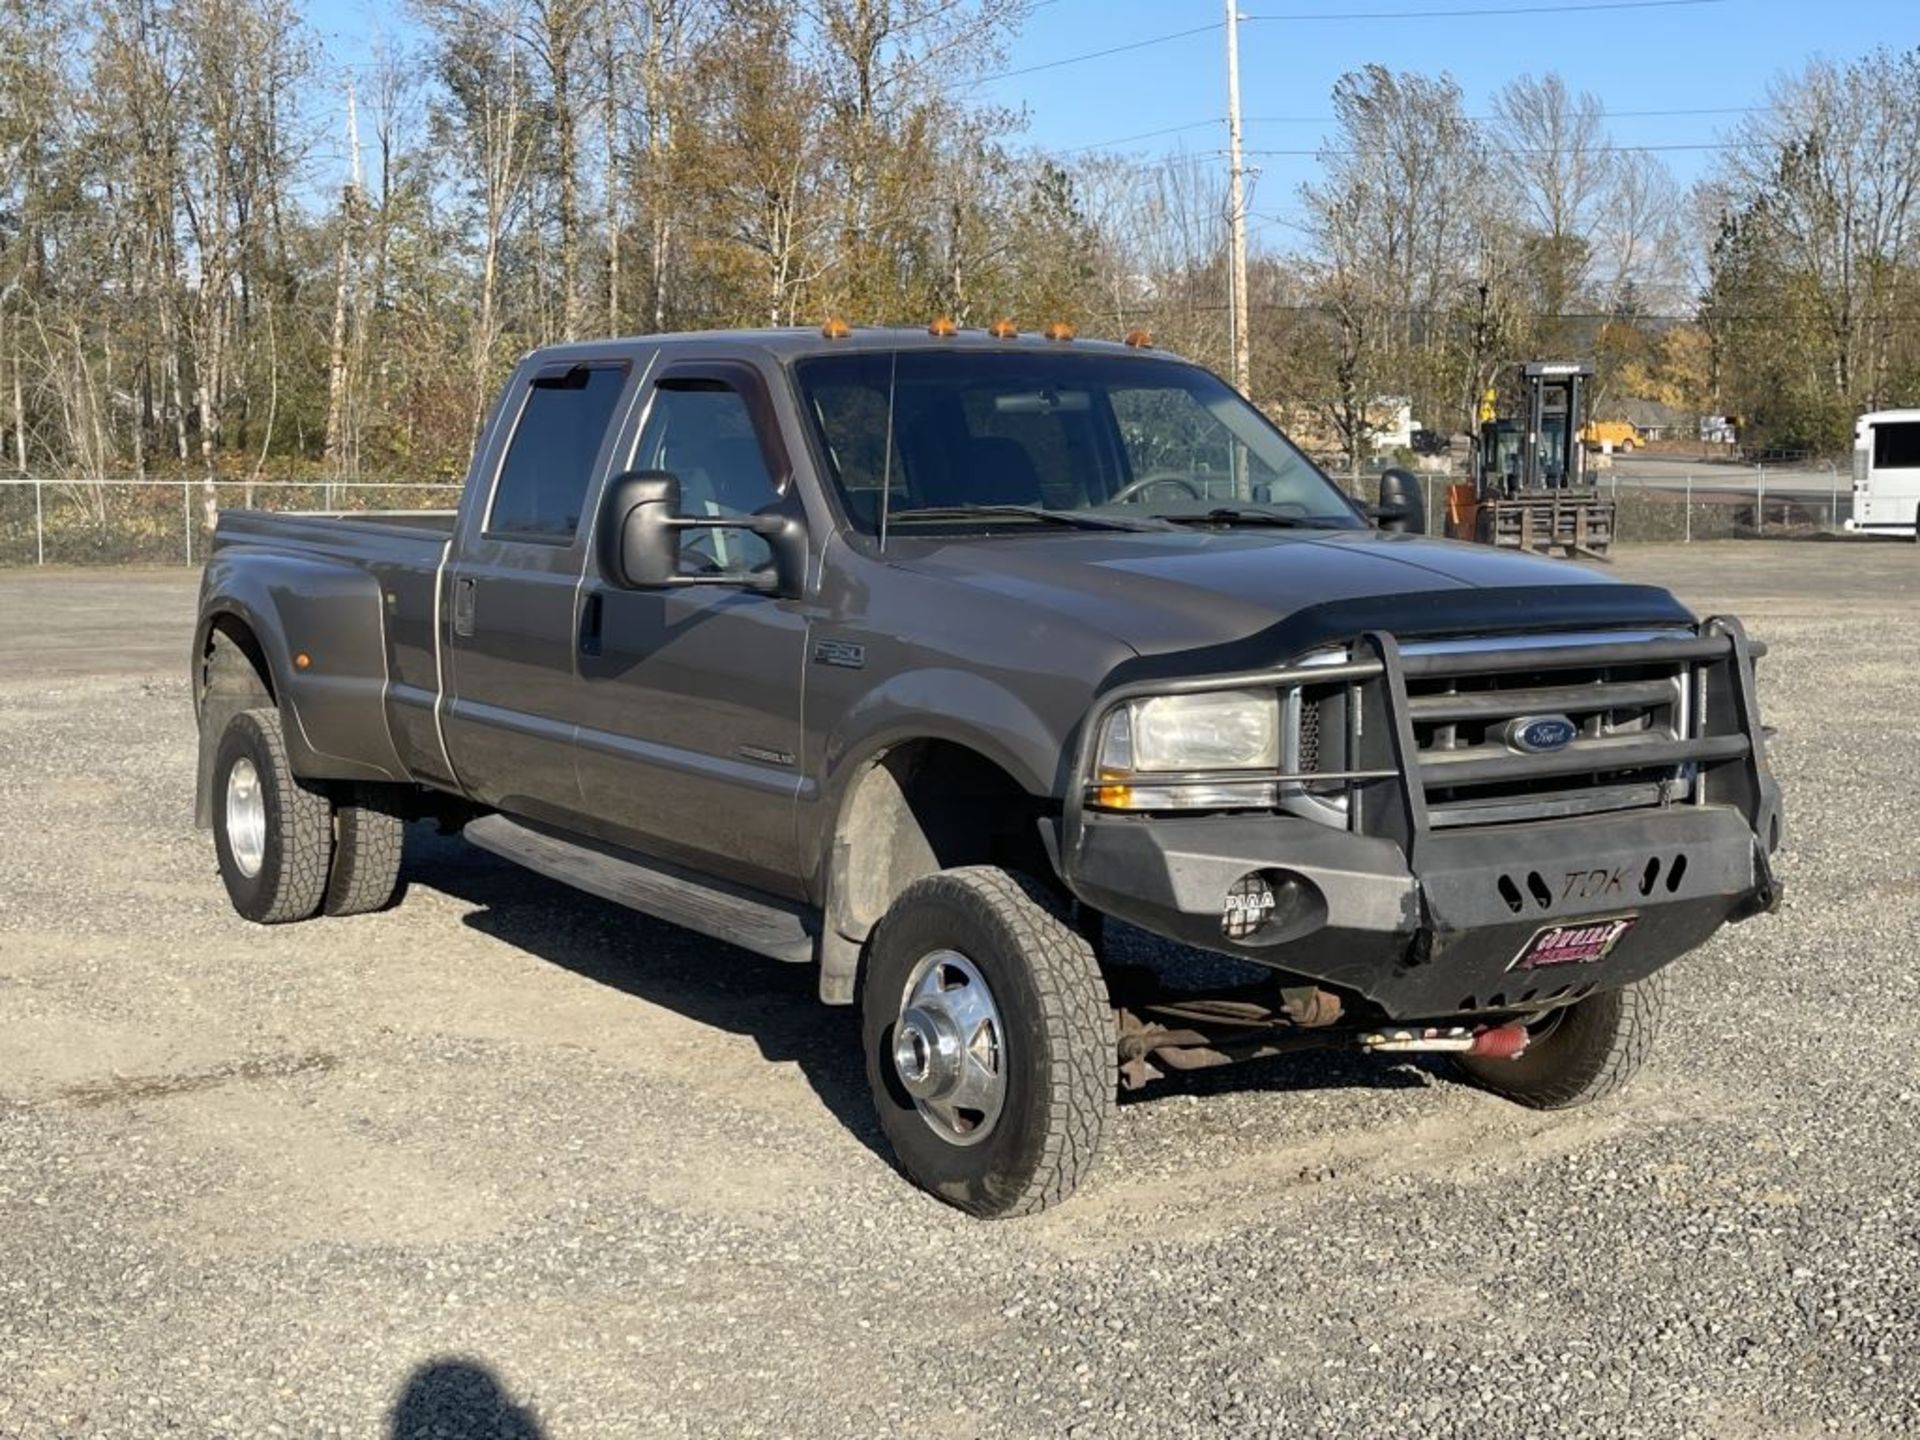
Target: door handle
point(590, 625)
point(463, 598)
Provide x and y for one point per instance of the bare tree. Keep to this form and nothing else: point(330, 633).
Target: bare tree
point(486, 131)
point(1823, 195)
point(1551, 152)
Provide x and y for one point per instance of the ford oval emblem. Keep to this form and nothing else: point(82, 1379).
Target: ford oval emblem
point(1538, 734)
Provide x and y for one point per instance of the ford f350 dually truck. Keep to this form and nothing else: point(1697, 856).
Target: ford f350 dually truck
point(923, 657)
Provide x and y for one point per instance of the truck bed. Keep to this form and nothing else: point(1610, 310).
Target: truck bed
point(384, 537)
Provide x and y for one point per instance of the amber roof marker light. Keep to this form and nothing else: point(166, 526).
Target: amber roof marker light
point(1003, 329)
point(1140, 339)
point(1058, 330)
point(835, 328)
point(943, 328)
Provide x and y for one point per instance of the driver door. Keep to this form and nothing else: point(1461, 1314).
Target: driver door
point(688, 746)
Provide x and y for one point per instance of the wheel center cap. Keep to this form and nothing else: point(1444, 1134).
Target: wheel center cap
point(926, 1052)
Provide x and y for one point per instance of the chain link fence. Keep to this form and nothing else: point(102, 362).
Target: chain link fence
point(162, 522)
point(1710, 502)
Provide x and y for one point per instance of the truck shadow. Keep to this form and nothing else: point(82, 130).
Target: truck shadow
point(733, 990)
point(776, 1005)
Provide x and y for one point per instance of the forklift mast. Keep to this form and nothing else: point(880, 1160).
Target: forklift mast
point(1556, 401)
point(1539, 449)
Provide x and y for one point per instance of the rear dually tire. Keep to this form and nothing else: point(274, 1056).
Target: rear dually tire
point(272, 832)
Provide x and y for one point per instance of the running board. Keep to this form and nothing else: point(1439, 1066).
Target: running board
point(760, 923)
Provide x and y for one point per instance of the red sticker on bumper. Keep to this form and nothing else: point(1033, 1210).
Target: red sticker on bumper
point(1581, 943)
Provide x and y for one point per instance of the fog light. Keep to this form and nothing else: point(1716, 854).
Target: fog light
point(1248, 906)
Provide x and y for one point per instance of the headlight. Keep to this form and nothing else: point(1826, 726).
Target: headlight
point(1202, 739)
point(1221, 730)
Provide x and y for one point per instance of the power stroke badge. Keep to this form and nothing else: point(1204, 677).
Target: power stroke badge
point(1580, 944)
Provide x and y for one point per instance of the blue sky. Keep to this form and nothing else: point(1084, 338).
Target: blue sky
point(1691, 57)
point(1694, 57)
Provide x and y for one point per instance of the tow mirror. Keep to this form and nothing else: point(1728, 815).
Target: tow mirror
point(638, 538)
point(1401, 508)
point(639, 545)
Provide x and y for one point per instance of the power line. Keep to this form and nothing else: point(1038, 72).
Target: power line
point(1143, 135)
point(1097, 54)
point(1120, 140)
point(1601, 114)
point(1586, 6)
point(1588, 150)
point(1530, 9)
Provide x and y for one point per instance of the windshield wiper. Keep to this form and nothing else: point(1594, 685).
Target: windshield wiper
point(1074, 519)
point(1227, 515)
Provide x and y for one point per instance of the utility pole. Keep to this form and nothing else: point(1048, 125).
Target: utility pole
point(1236, 203)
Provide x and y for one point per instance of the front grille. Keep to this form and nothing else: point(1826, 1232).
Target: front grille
point(1308, 741)
point(1630, 717)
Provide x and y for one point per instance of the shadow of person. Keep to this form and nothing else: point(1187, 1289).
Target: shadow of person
point(453, 1399)
point(774, 1004)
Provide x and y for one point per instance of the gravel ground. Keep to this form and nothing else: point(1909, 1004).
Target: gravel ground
point(509, 1162)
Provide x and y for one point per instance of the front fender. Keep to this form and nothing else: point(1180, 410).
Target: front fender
point(334, 710)
point(934, 703)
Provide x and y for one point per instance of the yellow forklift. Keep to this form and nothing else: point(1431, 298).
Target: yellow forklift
point(1528, 488)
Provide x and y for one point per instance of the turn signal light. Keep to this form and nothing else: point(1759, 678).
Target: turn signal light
point(943, 328)
point(835, 328)
point(1003, 329)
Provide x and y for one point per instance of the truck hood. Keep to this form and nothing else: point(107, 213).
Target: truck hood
point(1185, 589)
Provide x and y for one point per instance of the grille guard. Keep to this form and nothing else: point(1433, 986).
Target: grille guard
point(1386, 783)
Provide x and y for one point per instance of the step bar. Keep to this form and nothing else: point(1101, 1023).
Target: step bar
point(764, 924)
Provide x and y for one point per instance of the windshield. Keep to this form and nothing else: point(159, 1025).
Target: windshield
point(1110, 435)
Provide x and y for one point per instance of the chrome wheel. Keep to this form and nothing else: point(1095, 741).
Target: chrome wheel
point(949, 1048)
point(246, 818)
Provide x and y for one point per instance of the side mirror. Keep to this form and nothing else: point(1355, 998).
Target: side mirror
point(638, 542)
point(638, 538)
point(1401, 508)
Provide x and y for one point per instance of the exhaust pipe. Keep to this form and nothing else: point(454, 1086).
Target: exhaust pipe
point(1496, 1042)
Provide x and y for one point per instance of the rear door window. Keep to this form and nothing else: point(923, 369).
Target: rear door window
point(549, 462)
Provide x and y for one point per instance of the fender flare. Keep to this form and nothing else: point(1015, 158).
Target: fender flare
point(951, 706)
point(333, 713)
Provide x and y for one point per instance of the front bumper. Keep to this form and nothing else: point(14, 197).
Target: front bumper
point(1445, 938)
point(1427, 921)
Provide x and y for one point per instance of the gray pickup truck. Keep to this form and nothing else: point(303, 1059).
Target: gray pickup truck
point(925, 658)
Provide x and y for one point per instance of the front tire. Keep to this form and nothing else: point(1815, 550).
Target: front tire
point(272, 833)
point(990, 1042)
point(1584, 1052)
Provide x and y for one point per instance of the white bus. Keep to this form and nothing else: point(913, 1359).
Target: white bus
point(1886, 473)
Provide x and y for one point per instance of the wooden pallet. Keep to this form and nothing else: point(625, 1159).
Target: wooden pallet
point(1552, 522)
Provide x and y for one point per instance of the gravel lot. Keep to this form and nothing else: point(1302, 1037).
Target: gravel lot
point(511, 1162)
